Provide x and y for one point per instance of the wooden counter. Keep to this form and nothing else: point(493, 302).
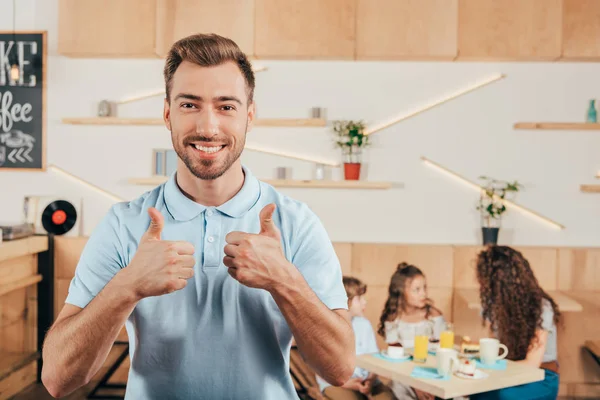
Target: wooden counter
point(19, 276)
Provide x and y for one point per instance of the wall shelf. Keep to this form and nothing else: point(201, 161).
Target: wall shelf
point(272, 122)
point(288, 183)
point(568, 126)
point(590, 188)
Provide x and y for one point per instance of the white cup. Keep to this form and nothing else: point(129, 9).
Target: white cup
point(489, 349)
point(447, 361)
point(395, 351)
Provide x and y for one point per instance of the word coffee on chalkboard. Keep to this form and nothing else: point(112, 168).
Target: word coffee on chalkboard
point(22, 100)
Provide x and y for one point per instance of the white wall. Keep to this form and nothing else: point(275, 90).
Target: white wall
point(472, 135)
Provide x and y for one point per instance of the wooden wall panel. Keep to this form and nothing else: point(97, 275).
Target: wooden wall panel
point(406, 29)
point(230, 18)
point(108, 28)
point(581, 30)
point(576, 364)
point(305, 29)
point(376, 263)
point(344, 253)
point(67, 251)
point(465, 276)
point(578, 269)
point(509, 29)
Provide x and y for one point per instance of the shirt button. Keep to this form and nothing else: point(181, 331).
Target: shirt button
point(211, 239)
point(209, 213)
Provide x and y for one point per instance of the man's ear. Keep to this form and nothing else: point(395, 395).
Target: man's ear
point(251, 115)
point(167, 114)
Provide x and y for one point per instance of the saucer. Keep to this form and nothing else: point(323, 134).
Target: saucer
point(478, 375)
point(384, 353)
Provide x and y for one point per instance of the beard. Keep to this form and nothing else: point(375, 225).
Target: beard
point(209, 169)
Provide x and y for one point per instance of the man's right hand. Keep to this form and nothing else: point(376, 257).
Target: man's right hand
point(158, 266)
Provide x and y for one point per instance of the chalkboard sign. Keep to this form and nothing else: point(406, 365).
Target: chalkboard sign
point(23, 101)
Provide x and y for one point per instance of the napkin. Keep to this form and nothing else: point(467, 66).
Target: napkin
point(498, 365)
point(428, 373)
point(390, 359)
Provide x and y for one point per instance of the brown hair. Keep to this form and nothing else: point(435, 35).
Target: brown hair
point(354, 287)
point(207, 50)
point(511, 298)
point(396, 301)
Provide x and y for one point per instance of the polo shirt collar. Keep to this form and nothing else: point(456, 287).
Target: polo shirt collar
point(183, 208)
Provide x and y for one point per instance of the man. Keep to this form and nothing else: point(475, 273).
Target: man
point(213, 272)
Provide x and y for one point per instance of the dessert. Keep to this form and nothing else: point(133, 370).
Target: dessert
point(395, 350)
point(468, 347)
point(467, 367)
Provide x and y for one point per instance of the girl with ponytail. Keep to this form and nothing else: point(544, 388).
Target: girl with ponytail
point(407, 308)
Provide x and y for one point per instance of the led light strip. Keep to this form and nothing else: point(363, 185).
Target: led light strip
point(290, 155)
point(479, 188)
point(83, 182)
point(433, 104)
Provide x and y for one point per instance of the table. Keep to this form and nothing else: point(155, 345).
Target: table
point(515, 374)
point(564, 302)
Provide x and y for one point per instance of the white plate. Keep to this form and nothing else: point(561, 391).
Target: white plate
point(385, 354)
point(479, 374)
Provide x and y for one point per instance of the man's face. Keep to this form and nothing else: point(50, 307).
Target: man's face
point(208, 116)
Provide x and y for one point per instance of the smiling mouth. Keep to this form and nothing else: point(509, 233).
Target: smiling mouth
point(208, 149)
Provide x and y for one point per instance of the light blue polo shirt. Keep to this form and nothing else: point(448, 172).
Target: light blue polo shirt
point(216, 338)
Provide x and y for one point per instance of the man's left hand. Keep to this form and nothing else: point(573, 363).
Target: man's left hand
point(257, 260)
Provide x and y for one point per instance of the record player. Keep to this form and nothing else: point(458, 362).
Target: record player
point(55, 215)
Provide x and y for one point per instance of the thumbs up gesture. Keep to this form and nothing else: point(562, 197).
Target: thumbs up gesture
point(159, 266)
point(257, 260)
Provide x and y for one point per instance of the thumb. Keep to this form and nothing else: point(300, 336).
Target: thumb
point(157, 222)
point(267, 226)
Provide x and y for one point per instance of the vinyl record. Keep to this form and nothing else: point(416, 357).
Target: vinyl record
point(59, 217)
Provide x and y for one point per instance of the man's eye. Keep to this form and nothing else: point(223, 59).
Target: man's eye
point(228, 108)
point(187, 105)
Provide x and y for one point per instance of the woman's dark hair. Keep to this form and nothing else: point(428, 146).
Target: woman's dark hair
point(511, 298)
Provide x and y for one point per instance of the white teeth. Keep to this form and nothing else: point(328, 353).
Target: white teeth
point(213, 149)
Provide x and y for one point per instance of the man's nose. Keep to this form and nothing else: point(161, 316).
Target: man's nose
point(207, 122)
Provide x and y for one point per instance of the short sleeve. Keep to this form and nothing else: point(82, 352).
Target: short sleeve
point(100, 260)
point(316, 259)
point(370, 342)
point(547, 316)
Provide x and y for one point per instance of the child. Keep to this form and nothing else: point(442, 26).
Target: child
point(362, 385)
point(522, 316)
point(407, 309)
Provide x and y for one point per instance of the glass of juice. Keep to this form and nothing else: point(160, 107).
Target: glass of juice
point(422, 335)
point(447, 337)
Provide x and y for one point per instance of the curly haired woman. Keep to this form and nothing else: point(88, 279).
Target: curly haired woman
point(522, 316)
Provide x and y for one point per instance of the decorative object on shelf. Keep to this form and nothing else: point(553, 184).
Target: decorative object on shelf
point(351, 138)
point(107, 109)
point(283, 173)
point(164, 162)
point(592, 114)
point(322, 172)
point(52, 214)
point(491, 206)
point(317, 113)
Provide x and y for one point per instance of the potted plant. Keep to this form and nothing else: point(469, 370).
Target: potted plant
point(351, 138)
point(491, 206)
